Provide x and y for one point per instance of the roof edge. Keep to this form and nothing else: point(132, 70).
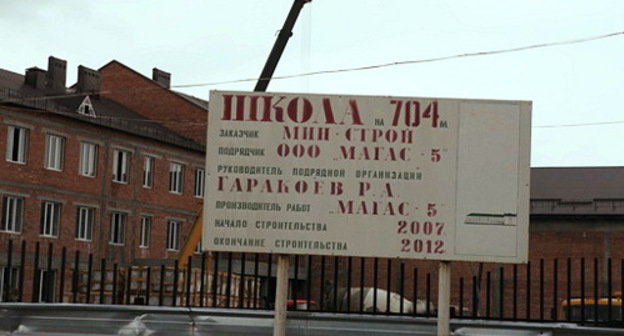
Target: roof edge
point(151, 81)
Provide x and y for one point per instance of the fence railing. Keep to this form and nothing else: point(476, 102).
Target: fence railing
point(582, 290)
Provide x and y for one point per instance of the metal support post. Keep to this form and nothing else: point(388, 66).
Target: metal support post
point(444, 298)
point(281, 295)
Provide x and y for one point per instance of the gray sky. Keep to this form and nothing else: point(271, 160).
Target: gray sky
point(219, 40)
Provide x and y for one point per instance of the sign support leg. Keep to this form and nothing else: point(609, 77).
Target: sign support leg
point(281, 295)
point(444, 298)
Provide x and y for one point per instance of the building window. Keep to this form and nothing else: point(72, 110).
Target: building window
point(173, 235)
point(85, 217)
point(118, 228)
point(176, 177)
point(9, 284)
point(86, 108)
point(17, 144)
point(200, 177)
point(12, 214)
point(120, 166)
point(88, 158)
point(50, 218)
point(45, 281)
point(54, 152)
point(148, 172)
point(146, 227)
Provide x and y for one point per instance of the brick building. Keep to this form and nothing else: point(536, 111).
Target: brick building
point(85, 172)
point(153, 98)
point(113, 167)
point(576, 235)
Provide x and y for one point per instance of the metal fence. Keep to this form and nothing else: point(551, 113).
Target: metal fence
point(584, 291)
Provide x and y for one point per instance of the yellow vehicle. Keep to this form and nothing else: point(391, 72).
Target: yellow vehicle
point(606, 309)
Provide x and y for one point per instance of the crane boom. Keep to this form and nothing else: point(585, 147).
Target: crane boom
point(263, 82)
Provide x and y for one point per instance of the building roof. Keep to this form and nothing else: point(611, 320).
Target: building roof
point(577, 191)
point(192, 99)
point(197, 101)
point(11, 81)
point(109, 114)
point(113, 115)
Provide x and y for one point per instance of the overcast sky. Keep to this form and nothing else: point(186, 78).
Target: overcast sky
point(202, 41)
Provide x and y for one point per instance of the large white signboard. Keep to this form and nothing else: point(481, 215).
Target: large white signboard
point(406, 177)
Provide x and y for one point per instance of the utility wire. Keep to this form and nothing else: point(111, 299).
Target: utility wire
point(598, 123)
point(353, 69)
point(323, 72)
point(427, 60)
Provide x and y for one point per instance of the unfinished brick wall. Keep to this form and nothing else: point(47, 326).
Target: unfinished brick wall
point(141, 94)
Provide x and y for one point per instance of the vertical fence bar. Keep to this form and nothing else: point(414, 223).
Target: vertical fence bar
point(461, 297)
point(121, 284)
point(176, 269)
point(35, 289)
point(62, 284)
point(128, 284)
point(335, 290)
point(295, 295)
point(555, 289)
point(269, 275)
point(568, 314)
point(215, 278)
point(256, 280)
point(161, 290)
point(388, 284)
point(76, 277)
point(148, 285)
point(321, 299)
point(9, 271)
point(501, 293)
point(515, 292)
point(402, 287)
point(114, 299)
point(189, 274)
point(102, 279)
point(228, 283)
point(541, 302)
point(349, 282)
point(362, 268)
point(596, 295)
point(241, 295)
point(121, 295)
point(415, 289)
point(609, 290)
point(202, 279)
point(487, 294)
point(622, 290)
point(582, 290)
point(309, 282)
point(528, 289)
point(49, 268)
point(89, 277)
point(375, 283)
point(428, 295)
point(20, 294)
point(49, 264)
point(475, 297)
point(50, 254)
